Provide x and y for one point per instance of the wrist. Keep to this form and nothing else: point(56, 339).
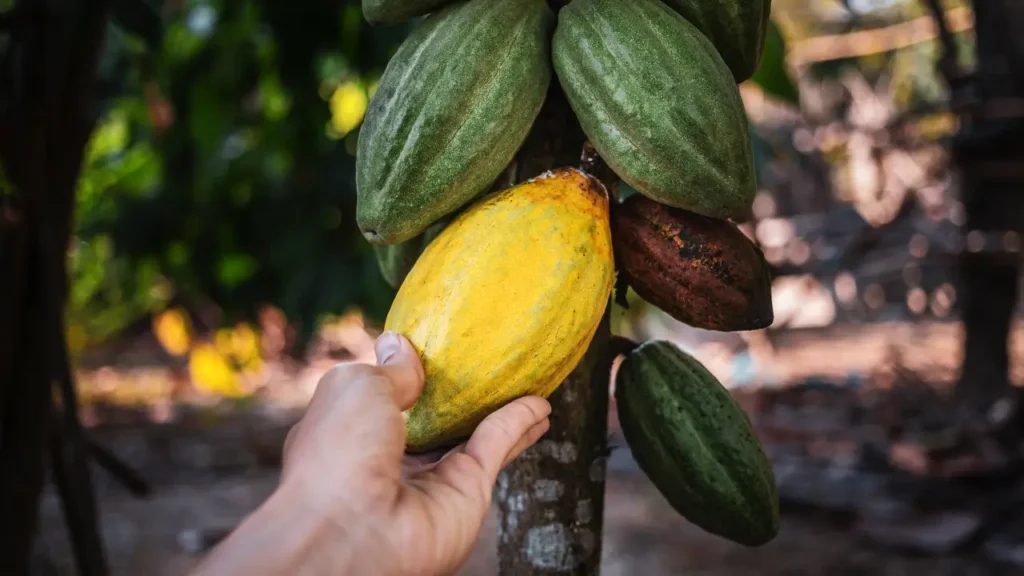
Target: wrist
point(336, 538)
point(285, 535)
point(322, 537)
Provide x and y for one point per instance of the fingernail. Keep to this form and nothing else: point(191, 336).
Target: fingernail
point(387, 346)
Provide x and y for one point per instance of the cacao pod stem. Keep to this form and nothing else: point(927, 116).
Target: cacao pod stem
point(621, 287)
point(621, 346)
point(592, 163)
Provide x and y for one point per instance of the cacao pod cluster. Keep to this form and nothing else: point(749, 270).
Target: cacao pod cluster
point(502, 285)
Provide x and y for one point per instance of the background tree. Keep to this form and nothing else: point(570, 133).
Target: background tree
point(225, 189)
point(988, 152)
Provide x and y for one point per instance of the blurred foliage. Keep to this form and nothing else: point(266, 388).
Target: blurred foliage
point(912, 68)
point(173, 330)
point(230, 365)
point(772, 75)
point(222, 166)
point(222, 169)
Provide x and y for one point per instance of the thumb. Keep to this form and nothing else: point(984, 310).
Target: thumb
point(402, 365)
point(505, 433)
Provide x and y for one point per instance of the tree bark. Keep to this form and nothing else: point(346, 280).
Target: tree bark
point(989, 153)
point(551, 499)
point(47, 115)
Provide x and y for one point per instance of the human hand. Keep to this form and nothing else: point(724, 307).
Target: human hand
point(347, 500)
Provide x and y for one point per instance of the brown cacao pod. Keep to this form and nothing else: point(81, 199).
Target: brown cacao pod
point(701, 271)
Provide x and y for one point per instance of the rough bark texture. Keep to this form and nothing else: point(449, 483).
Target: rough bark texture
point(551, 499)
point(989, 153)
point(47, 114)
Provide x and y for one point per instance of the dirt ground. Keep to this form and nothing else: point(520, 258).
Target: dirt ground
point(211, 476)
point(210, 467)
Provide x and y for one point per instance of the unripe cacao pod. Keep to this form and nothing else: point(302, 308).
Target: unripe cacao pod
point(395, 261)
point(396, 11)
point(737, 28)
point(696, 445)
point(701, 271)
point(658, 103)
point(505, 301)
point(452, 108)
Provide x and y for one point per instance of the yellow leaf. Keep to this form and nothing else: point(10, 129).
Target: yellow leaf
point(245, 343)
point(223, 341)
point(212, 373)
point(348, 105)
point(173, 329)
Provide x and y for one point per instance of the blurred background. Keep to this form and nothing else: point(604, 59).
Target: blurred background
point(216, 271)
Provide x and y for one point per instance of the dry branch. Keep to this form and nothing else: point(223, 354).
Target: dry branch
point(878, 40)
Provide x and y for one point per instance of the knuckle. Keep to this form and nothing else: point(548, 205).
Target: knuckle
point(500, 423)
point(357, 378)
point(342, 373)
point(530, 410)
point(524, 411)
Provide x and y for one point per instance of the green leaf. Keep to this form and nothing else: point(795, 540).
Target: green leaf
point(233, 269)
point(772, 76)
point(140, 18)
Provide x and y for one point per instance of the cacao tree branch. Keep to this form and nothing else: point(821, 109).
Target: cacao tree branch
point(878, 40)
point(551, 499)
point(71, 470)
point(128, 477)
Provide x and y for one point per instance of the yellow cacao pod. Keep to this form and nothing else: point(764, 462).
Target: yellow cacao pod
point(505, 301)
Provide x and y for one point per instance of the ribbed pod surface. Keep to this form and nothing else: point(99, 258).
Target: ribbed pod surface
point(505, 301)
point(696, 444)
point(658, 103)
point(452, 108)
point(737, 28)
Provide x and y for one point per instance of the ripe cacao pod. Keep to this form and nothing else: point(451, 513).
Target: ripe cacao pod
point(737, 28)
point(452, 108)
point(396, 11)
point(696, 445)
point(505, 301)
point(701, 271)
point(658, 103)
point(395, 261)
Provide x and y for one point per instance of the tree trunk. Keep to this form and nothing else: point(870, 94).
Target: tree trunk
point(47, 115)
point(551, 499)
point(989, 154)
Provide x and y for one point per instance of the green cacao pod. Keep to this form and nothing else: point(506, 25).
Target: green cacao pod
point(396, 11)
point(701, 271)
point(658, 103)
point(395, 261)
point(737, 28)
point(696, 445)
point(452, 108)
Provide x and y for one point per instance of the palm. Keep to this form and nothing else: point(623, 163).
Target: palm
point(441, 506)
